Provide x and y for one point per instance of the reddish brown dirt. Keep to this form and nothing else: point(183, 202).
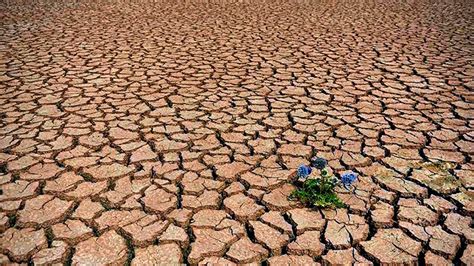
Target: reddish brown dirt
point(160, 132)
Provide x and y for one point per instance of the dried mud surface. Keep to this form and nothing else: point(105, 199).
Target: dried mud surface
point(164, 132)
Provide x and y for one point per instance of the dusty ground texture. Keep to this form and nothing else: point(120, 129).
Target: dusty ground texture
point(159, 133)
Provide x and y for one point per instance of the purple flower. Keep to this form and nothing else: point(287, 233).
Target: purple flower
point(348, 178)
point(303, 171)
point(319, 163)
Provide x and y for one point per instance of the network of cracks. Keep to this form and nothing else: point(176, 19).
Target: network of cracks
point(165, 132)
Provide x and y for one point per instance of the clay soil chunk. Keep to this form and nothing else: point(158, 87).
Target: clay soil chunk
point(165, 254)
point(109, 248)
point(397, 247)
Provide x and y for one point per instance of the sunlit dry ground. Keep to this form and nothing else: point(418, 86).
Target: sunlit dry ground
point(169, 131)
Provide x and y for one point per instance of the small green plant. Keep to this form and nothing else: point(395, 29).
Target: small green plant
point(319, 192)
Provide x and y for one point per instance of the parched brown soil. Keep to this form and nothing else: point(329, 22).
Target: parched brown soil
point(163, 132)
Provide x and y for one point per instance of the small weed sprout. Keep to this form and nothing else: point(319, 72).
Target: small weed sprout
point(319, 192)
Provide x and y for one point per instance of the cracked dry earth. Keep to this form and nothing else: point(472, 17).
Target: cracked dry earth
point(169, 132)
